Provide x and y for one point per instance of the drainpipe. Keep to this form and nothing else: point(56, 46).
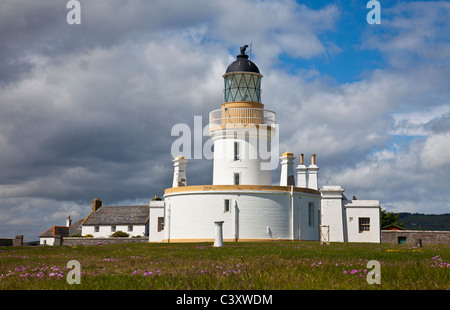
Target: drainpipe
point(292, 213)
point(236, 221)
point(167, 222)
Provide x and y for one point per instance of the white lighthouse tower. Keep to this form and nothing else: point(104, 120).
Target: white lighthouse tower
point(242, 202)
point(242, 129)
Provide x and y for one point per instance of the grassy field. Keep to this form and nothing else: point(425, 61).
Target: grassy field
point(236, 266)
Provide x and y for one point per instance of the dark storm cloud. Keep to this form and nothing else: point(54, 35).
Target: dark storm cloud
point(39, 28)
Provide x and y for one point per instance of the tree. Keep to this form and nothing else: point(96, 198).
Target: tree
point(389, 218)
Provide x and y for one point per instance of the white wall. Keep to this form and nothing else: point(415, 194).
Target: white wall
point(249, 163)
point(47, 241)
point(252, 215)
point(355, 209)
point(106, 231)
point(156, 211)
point(332, 212)
point(342, 216)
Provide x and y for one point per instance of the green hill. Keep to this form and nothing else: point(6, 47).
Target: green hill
point(418, 221)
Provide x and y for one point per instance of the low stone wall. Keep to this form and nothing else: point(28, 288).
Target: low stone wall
point(17, 241)
point(75, 241)
point(415, 237)
point(6, 242)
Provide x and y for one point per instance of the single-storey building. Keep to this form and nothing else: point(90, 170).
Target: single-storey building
point(103, 221)
point(48, 237)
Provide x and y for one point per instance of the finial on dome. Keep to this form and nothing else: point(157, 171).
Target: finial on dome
point(243, 48)
point(242, 55)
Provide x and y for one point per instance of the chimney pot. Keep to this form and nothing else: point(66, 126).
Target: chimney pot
point(68, 221)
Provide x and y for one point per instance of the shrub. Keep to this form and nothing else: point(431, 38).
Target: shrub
point(119, 233)
point(89, 235)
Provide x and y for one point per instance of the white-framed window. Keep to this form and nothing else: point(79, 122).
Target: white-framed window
point(130, 228)
point(227, 205)
point(311, 214)
point(113, 228)
point(96, 228)
point(364, 224)
point(160, 223)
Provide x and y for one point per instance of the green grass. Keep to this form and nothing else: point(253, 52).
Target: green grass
point(236, 266)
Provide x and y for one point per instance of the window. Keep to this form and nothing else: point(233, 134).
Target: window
point(96, 228)
point(130, 227)
point(364, 224)
point(236, 178)
point(113, 228)
point(401, 240)
point(311, 214)
point(236, 151)
point(160, 223)
point(226, 205)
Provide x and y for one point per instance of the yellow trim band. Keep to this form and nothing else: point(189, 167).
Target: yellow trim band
point(207, 188)
point(242, 104)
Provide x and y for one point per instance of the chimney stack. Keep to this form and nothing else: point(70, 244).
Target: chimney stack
point(301, 173)
point(179, 172)
point(96, 204)
point(287, 169)
point(68, 221)
point(312, 175)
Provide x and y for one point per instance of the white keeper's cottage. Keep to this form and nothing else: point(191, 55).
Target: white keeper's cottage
point(104, 221)
point(242, 199)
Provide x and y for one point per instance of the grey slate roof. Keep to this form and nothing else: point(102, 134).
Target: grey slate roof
point(64, 231)
point(119, 215)
point(56, 230)
point(75, 228)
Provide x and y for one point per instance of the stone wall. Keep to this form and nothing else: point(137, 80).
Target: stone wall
point(416, 237)
point(17, 241)
point(6, 242)
point(75, 241)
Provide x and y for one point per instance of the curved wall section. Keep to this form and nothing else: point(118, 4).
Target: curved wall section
point(253, 214)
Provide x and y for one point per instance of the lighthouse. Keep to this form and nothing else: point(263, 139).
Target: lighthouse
point(242, 204)
point(242, 129)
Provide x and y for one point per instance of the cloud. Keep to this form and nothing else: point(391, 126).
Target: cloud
point(413, 33)
point(419, 123)
point(406, 99)
point(436, 152)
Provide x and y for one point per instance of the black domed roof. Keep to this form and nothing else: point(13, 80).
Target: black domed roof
point(242, 63)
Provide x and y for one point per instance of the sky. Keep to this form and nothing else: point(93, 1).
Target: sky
point(87, 110)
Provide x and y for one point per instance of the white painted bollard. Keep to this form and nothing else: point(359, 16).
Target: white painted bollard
point(218, 241)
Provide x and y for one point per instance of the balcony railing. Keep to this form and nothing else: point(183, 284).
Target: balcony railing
point(241, 116)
